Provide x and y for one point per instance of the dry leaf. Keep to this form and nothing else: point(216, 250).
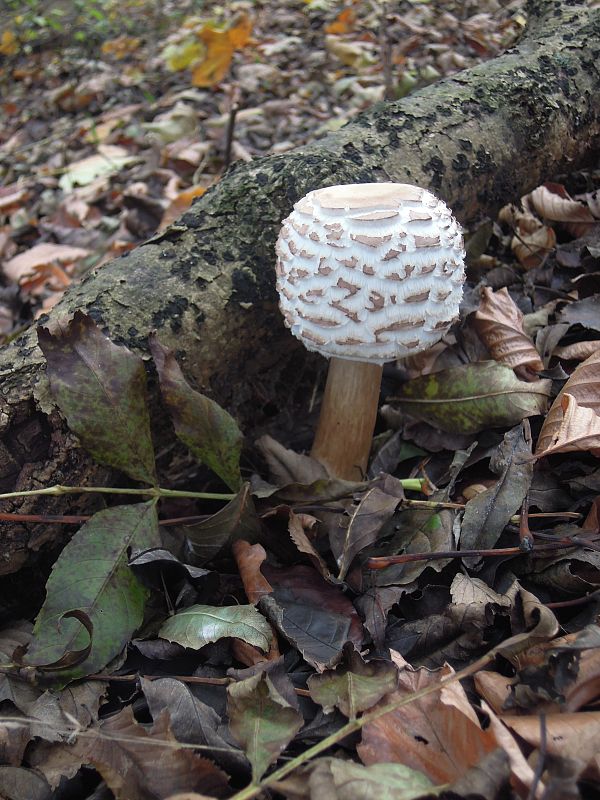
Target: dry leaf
point(578, 351)
point(553, 202)
point(343, 23)
point(180, 204)
point(438, 735)
point(499, 323)
point(532, 242)
point(584, 387)
point(579, 430)
point(40, 257)
point(220, 47)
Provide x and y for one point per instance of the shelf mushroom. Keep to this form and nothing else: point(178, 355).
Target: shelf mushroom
point(366, 273)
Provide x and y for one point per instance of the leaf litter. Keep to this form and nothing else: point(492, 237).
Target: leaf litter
point(445, 637)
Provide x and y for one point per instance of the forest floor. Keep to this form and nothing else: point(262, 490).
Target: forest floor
point(425, 634)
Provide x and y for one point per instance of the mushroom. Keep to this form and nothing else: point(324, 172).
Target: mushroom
point(366, 273)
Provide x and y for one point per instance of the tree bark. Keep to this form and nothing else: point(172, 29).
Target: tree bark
point(477, 139)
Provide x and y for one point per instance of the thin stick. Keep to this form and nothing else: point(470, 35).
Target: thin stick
point(381, 562)
point(151, 491)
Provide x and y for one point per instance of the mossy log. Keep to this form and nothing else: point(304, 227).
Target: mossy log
point(477, 139)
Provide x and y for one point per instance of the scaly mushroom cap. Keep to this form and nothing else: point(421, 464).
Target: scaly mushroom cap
point(370, 271)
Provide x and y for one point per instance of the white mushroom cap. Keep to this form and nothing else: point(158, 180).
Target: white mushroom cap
point(370, 271)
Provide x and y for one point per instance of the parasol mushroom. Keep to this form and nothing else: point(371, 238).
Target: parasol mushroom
point(366, 273)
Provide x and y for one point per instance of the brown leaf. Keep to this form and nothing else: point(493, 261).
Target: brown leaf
point(579, 430)
point(42, 256)
point(439, 735)
point(139, 763)
point(567, 735)
point(553, 202)
point(584, 387)
point(248, 559)
point(286, 466)
point(499, 323)
point(578, 351)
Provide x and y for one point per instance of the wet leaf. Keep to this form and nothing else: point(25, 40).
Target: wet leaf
point(471, 398)
point(198, 625)
point(316, 617)
point(101, 390)
point(261, 720)
point(202, 425)
point(584, 388)
point(138, 762)
point(488, 513)
point(339, 779)
point(499, 323)
point(373, 511)
point(237, 520)
point(354, 686)
point(92, 575)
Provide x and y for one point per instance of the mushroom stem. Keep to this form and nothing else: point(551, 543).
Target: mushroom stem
point(348, 414)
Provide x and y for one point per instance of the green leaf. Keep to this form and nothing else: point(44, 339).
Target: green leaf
point(261, 720)
point(355, 686)
point(92, 576)
point(202, 425)
point(340, 779)
point(238, 519)
point(199, 625)
point(101, 390)
point(473, 397)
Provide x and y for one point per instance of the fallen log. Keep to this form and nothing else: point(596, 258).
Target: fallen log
point(477, 139)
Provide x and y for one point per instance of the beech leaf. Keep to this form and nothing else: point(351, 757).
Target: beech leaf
point(339, 779)
point(101, 390)
point(579, 430)
point(93, 576)
point(353, 687)
point(261, 720)
point(316, 617)
point(199, 625)
point(584, 388)
point(472, 398)
point(202, 425)
point(138, 762)
point(487, 514)
point(499, 323)
point(238, 519)
point(373, 511)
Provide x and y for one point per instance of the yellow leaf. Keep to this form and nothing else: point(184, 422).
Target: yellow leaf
point(343, 23)
point(220, 47)
point(181, 56)
point(9, 44)
point(121, 47)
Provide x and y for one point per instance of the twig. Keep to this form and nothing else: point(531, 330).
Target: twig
point(539, 767)
point(152, 491)
point(233, 110)
point(381, 562)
